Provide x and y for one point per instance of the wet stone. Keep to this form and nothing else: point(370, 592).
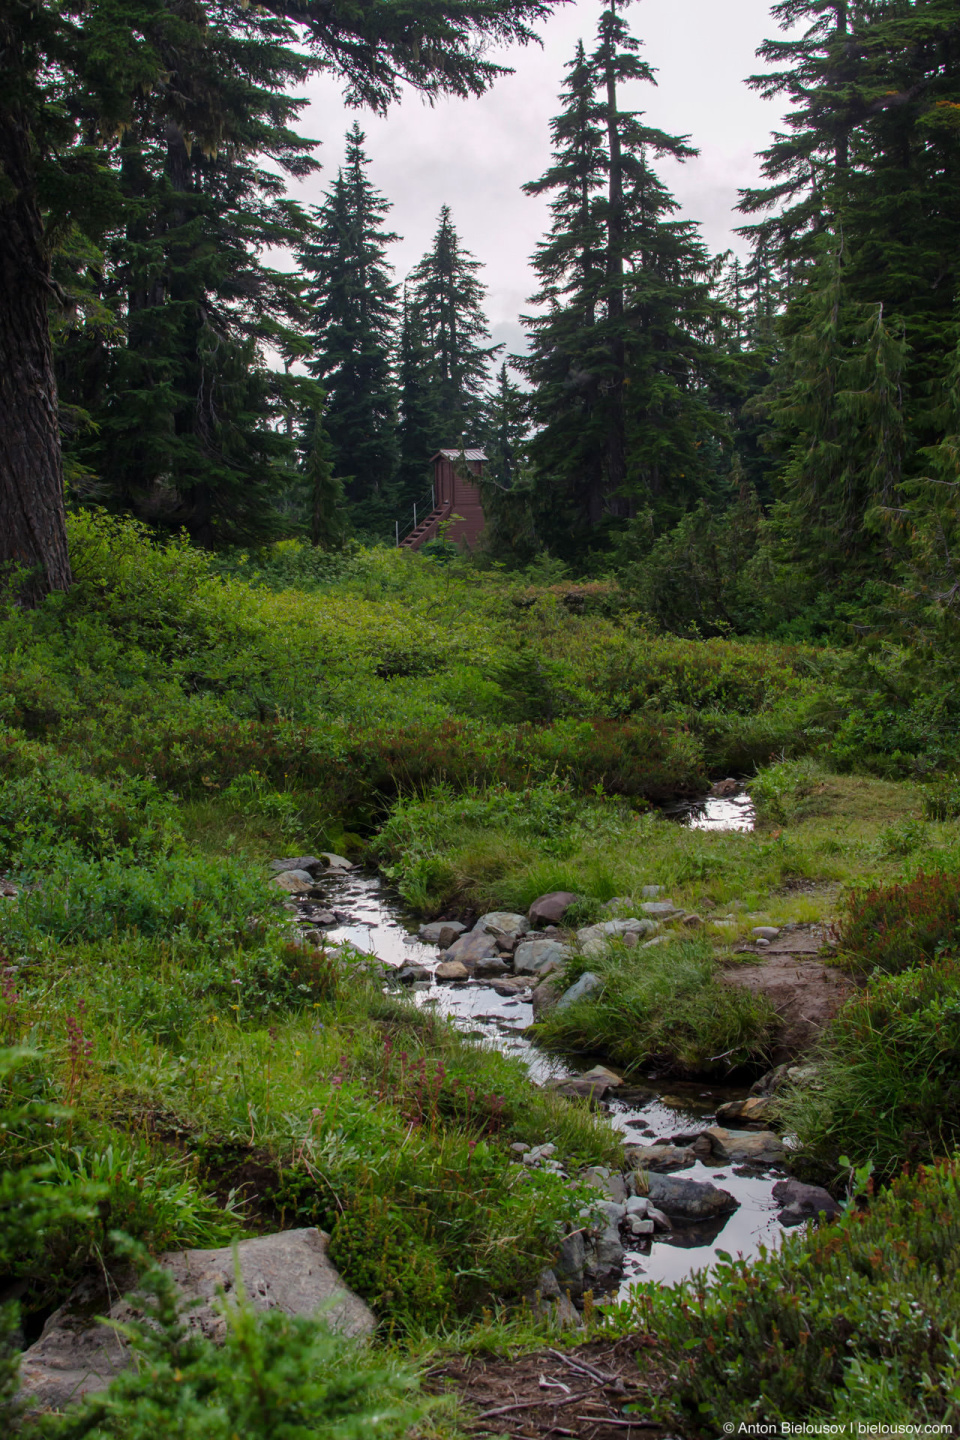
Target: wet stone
point(740, 1147)
point(441, 932)
point(660, 1158)
point(691, 1200)
point(449, 970)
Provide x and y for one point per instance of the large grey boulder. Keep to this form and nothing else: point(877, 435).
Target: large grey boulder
point(536, 956)
point(502, 923)
point(690, 1200)
point(660, 909)
point(77, 1356)
point(550, 909)
point(478, 945)
point(588, 984)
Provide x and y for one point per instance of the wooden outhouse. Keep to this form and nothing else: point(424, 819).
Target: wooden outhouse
point(456, 498)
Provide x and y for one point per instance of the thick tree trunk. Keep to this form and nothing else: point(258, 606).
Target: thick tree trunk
point(32, 519)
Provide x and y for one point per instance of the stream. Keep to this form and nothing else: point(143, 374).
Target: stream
point(648, 1111)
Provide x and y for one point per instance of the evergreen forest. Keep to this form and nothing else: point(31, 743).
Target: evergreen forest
point(496, 981)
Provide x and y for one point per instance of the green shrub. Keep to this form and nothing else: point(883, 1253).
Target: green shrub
point(48, 801)
point(853, 1319)
point(941, 800)
point(786, 791)
point(181, 897)
point(888, 1075)
point(895, 927)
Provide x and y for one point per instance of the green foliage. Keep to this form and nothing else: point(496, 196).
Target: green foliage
point(273, 1375)
point(47, 800)
point(786, 791)
point(664, 1006)
point(180, 896)
point(858, 1313)
point(888, 1075)
point(941, 800)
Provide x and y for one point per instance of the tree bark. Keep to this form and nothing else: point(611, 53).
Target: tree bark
point(33, 531)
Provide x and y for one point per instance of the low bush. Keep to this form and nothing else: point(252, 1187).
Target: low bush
point(786, 791)
point(856, 1319)
point(180, 896)
point(47, 801)
point(892, 928)
point(888, 1076)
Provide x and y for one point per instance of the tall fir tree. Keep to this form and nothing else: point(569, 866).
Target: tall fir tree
point(505, 430)
point(186, 408)
point(622, 354)
point(421, 431)
point(352, 326)
point(863, 204)
point(448, 299)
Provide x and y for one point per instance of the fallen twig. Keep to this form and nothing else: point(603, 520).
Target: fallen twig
point(584, 1368)
point(533, 1405)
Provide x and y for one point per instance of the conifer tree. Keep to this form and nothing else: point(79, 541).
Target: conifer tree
point(421, 431)
point(620, 359)
point(74, 79)
point(352, 326)
point(864, 207)
point(186, 431)
point(505, 430)
point(448, 298)
point(328, 513)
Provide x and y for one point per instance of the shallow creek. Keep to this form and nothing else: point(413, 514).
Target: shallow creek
point(651, 1110)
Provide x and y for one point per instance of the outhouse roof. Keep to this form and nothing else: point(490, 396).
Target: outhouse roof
point(460, 454)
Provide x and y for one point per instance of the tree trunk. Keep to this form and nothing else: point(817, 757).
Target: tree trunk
point(32, 518)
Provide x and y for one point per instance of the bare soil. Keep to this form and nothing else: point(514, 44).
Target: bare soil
point(580, 1393)
point(803, 987)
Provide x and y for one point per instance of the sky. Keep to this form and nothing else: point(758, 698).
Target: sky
point(474, 155)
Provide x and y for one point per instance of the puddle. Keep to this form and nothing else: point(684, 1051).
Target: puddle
point(375, 924)
point(714, 812)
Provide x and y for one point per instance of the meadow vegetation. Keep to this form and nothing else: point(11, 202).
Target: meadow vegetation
point(177, 1071)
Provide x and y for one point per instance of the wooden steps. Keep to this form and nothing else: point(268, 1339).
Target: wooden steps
point(427, 529)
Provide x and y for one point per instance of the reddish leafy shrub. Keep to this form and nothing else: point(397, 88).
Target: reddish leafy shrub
point(348, 767)
point(898, 927)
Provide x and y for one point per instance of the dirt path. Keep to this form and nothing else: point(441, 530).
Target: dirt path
point(804, 989)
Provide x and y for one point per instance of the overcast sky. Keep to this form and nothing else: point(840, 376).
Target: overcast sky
point(474, 155)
